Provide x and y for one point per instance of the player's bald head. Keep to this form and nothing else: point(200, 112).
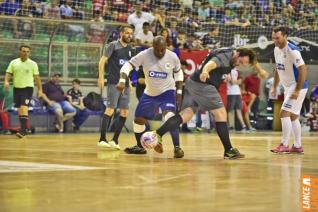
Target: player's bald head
point(159, 46)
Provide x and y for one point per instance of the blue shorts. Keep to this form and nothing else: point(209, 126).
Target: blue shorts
point(148, 105)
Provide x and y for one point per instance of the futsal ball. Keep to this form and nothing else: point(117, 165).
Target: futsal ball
point(149, 140)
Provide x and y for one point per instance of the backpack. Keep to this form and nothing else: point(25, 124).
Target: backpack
point(94, 102)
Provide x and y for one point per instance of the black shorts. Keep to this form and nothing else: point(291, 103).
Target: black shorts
point(22, 96)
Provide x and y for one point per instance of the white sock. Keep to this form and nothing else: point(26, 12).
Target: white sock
point(286, 130)
point(297, 133)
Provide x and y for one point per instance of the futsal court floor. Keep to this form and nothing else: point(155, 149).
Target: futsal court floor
point(68, 172)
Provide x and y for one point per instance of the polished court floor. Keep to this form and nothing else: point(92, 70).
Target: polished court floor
point(69, 173)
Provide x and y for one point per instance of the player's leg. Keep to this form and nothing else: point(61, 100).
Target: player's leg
point(123, 105)
point(145, 109)
point(296, 127)
point(22, 99)
point(112, 98)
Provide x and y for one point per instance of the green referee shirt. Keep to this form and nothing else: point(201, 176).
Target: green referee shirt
point(23, 72)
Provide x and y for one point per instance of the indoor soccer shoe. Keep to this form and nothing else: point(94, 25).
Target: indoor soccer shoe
point(295, 150)
point(113, 145)
point(103, 143)
point(281, 149)
point(178, 152)
point(135, 150)
point(158, 148)
point(20, 134)
point(233, 153)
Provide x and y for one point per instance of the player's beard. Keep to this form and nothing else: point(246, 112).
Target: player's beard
point(127, 39)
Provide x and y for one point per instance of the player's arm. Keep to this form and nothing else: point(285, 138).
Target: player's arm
point(38, 83)
point(178, 78)
point(209, 66)
point(275, 83)
point(261, 72)
point(7, 78)
point(101, 71)
point(124, 73)
point(302, 73)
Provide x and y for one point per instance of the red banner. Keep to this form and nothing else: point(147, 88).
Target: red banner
point(193, 58)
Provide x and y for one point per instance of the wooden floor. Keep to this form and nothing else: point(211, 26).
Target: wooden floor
point(69, 173)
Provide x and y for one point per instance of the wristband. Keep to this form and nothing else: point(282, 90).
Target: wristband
point(122, 80)
point(179, 91)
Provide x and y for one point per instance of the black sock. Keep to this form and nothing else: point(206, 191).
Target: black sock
point(118, 128)
point(171, 123)
point(23, 122)
point(104, 126)
point(138, 137)
point(175, 137)
point(223, 133)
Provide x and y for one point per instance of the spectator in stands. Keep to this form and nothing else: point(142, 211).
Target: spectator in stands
point(66, 10)
point(9, 7)
point(52, 10)
point(139, 17)
point(55, 99)
point(204, 11)
point(251, 85)
point(24, 28)
point(165, 33)
point(159, 22)
point(182, 40)
point(211, 40)
point(96, 32)
point(75, 97)
point(145, 37)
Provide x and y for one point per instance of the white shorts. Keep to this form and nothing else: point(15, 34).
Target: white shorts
point(294, 105)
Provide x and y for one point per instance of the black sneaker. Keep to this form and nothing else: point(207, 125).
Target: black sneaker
point(178, 152)
point(20, 134)
point(233, 153)
point(135, 150)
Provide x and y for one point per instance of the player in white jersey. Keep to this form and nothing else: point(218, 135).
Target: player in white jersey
point(163, 73)
point(291, 71)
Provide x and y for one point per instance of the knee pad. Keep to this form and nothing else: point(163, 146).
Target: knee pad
point(168, 116)
point(139, 128)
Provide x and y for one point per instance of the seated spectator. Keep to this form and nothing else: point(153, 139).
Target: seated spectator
point(145, 37)
point(55, 99)
point(165, 33)
point(75, 97)
point(9, 7)
point(52, 10)
point(211, 40)
point(96, 31)
point(66, 10)
point(24, 28)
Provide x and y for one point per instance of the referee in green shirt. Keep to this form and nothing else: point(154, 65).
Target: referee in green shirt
point(23, 71)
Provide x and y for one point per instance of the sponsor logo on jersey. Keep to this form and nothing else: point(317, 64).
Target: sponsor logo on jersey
point(170, 105)
point(122, 62)
point(156, 74)
point(286, 105)
point(168, 66)
point(280, 66)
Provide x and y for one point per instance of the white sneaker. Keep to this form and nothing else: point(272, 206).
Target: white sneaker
point(103, 144)
point(113, 145)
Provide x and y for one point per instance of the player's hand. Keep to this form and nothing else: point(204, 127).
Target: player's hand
point(179, 101)
point(101, 83)
point(273, 92)
point(120, 86)
point(294, 95)
point(6, 86)
point(204, 76)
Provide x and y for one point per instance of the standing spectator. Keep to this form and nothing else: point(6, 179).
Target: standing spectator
point(23, 71)
point(75, 97)
point(251, 85)
point(114, 57)
point(144, 38)
point(24, 28)
point(55, 98)
point(291, 71)
point(138, 18)
point(66, 10)
point(234, 99)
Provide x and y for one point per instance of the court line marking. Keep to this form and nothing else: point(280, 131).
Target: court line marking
point(17, 166)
